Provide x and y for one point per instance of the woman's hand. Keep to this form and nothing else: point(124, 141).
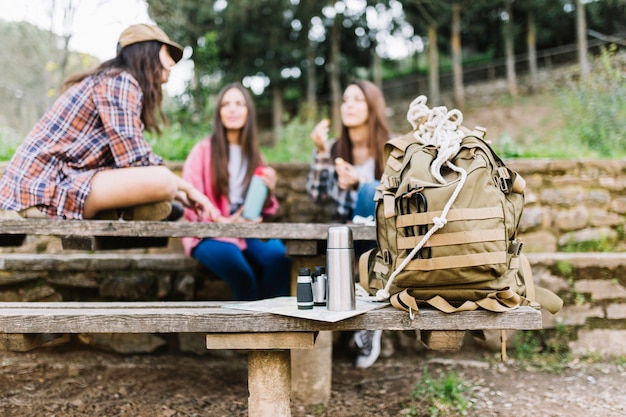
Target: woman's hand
point(347, 175)
point(201, 205)
point(194, 199)
point(269, 178)
point(236, 217)
point(320, 135)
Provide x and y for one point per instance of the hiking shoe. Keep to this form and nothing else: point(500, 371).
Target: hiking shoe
point(149, 211)
point(178, 210)
point(367, 344)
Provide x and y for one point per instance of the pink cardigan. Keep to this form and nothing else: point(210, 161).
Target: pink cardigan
point(197, 171)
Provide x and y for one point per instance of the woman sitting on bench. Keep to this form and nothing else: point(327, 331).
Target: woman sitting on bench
point(223, 166)
point(87, 156)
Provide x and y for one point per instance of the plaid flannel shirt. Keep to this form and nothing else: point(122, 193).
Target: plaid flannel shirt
point(322, 186)
point(94, 125)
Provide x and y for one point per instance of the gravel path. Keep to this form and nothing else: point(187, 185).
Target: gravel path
point(71, 383)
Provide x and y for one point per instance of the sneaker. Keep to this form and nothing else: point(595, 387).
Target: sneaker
point(149, 211)
point(367, 343)
point(178, 210)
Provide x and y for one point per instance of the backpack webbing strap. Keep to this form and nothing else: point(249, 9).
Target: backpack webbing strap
point(456, 261)
point(364, 262)
point(528, 277)
point(454, 238)
point(498, 301)
point(455, 214)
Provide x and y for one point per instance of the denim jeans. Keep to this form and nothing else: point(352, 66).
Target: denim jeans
point(260, 271)
point(365, 206)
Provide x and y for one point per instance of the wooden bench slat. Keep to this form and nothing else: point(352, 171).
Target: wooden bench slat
point(161, 318)
point(90, 228)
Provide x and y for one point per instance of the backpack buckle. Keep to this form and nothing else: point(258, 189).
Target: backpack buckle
point(503, 180)
point(515, 248)
point(386, 256)
point(392, 182)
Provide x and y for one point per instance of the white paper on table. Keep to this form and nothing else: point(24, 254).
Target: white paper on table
point(287, 306)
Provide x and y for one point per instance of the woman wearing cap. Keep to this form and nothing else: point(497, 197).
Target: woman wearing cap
point(87, 157)
point(222, 167)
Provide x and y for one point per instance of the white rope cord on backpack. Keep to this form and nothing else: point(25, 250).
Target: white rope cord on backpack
point(441, 128)
point(437, 127)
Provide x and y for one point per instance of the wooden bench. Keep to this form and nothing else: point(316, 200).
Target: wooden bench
point(269, 337)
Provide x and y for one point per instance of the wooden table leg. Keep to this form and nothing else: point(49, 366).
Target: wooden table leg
point(269, 383)
point(311, 371)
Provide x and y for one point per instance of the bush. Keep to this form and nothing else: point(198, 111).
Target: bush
point(595, 107)
point(294, 144)
point(9, 141)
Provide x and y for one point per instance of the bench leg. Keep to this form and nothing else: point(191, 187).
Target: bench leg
point(311, 371)
point(269, 383)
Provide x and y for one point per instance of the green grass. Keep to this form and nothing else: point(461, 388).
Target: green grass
point(9, 141)
point(445, 396)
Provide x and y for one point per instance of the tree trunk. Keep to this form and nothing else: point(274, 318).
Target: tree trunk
point(377, 66)
point(581, 38)
point(277, 112)
point(531, 40)
point(433, 67)
point(333, 70)
point(509, 50)
point(310, 112)
point(457, 55)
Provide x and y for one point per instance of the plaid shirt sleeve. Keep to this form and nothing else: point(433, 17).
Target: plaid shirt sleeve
point(118, 101)
point(322, 186)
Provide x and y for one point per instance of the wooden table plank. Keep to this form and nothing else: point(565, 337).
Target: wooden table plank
point(161, 318)
point(287, 231)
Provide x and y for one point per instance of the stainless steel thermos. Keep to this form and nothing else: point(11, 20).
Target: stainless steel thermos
point(340, 269)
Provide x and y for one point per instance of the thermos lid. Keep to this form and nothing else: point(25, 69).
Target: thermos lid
point(339, 237)
point(304, 271)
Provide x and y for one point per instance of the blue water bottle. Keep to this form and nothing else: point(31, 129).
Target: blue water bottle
point(255, 197)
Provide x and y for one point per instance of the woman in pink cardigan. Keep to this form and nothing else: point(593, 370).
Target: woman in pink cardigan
point(221, 166)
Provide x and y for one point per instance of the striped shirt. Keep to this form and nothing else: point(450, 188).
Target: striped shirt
point(93, 126)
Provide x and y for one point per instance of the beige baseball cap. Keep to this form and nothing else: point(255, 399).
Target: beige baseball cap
point(143, 33)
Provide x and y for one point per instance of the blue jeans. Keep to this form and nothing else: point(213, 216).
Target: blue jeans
point(261, 271)
point(365, 206)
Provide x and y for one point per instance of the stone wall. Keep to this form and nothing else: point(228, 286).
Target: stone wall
point(567, 202)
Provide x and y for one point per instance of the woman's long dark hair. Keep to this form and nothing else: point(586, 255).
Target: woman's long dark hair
point(142, 61)
point(377, 125)
point(219, 143)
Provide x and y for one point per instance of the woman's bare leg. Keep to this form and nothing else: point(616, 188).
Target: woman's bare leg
point(125, 187)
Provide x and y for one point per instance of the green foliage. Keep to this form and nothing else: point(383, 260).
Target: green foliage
point(443, 397)
point(565, 268)
point(9, 141)
point(595, 107)
point(176, 141)
point(599, 245)
point(294, 144)
point(544, 349)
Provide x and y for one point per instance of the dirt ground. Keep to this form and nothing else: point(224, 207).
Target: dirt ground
point(71, 382)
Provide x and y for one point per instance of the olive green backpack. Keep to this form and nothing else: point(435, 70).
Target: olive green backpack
point(447, 215)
